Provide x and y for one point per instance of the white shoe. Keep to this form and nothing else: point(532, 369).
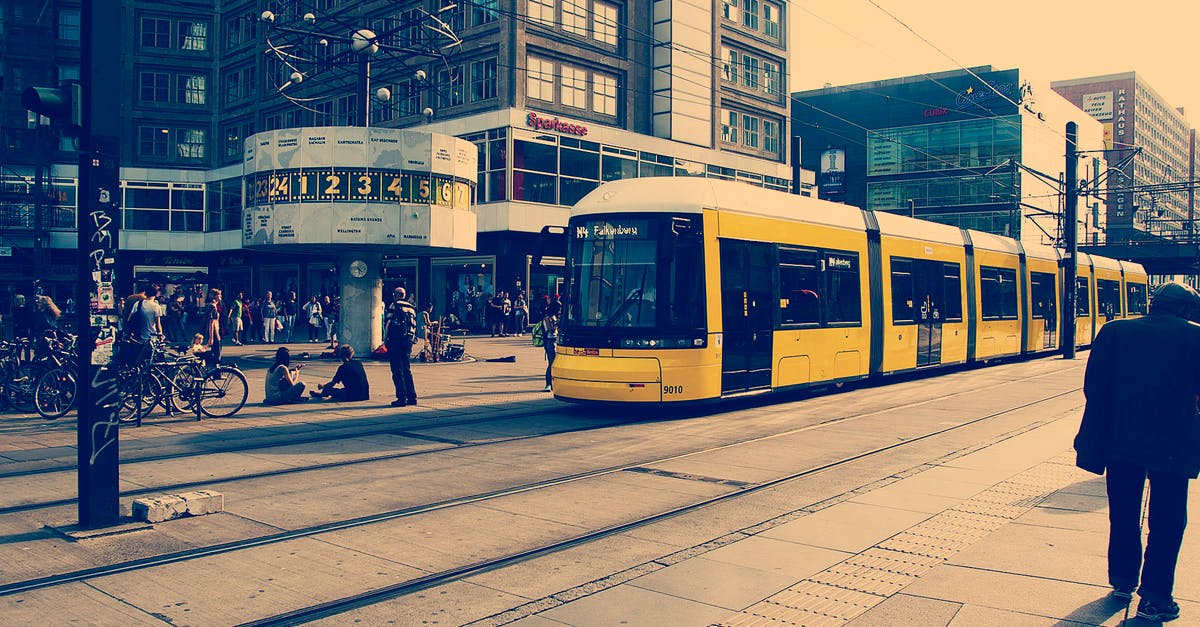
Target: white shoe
point(548, 389)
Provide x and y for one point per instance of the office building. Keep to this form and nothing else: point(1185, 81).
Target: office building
point(1152, 153)
point(977, 148)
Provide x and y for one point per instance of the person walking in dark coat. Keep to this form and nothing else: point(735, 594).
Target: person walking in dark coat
point(1142, 384)
point(400, 333)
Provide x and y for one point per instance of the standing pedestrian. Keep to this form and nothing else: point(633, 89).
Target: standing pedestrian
point(174, 329)
point(288, 309)
point(520, 313)
point(269, 313)
point(312, 313)
point(235, 324)
point(401, 332)
point(1140, 422)
point(212, 327)
point(549, 341)
point(329, 318)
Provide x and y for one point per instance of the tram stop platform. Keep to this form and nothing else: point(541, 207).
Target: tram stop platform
point(1007, 532)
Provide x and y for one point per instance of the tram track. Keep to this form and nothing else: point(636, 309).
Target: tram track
point(433, 579)
point(209, 481)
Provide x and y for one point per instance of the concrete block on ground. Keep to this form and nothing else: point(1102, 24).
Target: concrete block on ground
point(171, 506)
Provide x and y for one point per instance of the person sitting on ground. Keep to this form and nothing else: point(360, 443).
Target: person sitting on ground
point(352, 377)
point(283, 384)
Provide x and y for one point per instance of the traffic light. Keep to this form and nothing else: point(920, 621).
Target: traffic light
point(63, 105)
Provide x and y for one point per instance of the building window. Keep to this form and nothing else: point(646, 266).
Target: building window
point(189, 143)
point(541, 79)
point(771, 78)
point(233, 87)
point(771, 137)
point(750, 131)
point(729, 126)
point(484, 12)
point(156, 33)
point(152, 141)
point(68, 72)
point(450, 87)
point(233, 141)
point(190, 89)
point(575, 17)
point(604, 94)
point(729, 10)
point(410, 98)
point(68, 24)
point(483, 80)
point(750, 14)
point(605, 20)
point(542, 11)
point(155, 87)
point(750, 71)
point(574, 87)
point(193, 36)
point(347, 109)
point(239, 30)
point(771, 20)
point(732, 65)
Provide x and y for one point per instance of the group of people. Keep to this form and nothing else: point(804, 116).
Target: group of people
point(243, 320)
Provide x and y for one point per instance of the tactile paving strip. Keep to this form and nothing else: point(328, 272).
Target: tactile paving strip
point(848, 589)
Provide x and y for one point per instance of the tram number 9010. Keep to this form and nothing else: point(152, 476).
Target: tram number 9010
point(672, 389)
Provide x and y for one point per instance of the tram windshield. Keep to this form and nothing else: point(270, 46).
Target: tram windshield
point(632, 272)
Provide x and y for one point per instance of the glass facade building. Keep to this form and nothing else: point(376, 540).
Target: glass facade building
point(966, 148)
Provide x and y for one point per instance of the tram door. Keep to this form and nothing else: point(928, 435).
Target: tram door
point(930, 289)
point(747, 316)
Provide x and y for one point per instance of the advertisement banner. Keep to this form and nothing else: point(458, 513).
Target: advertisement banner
point(833, 171)
point(1099, 106)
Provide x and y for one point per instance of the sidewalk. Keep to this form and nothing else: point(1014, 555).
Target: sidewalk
point(1012, 534)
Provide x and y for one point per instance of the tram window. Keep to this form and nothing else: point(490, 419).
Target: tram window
point(799, 287)
point(1135, 297)
point(1083, 306)
point(844, 293)
point(902, 291)
point(1108, 298)
point(1041, 292)
point(998, 293)
point(952, 300)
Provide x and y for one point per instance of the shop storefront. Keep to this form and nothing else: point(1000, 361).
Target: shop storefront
point(463, 286)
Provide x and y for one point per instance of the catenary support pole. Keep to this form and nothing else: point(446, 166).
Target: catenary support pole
point(1070, 242)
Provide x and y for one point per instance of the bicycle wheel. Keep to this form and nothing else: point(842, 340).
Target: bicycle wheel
point(54, 393)
point(129, 391)
point(19, 388)
point(182, 387)
point(223, 392)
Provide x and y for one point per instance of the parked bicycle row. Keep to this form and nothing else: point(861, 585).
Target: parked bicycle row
point(42, 375)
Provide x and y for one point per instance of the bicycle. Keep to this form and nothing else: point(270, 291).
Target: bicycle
point(178, 384)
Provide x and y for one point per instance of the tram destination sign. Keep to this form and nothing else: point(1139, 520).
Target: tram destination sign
point(611, 230)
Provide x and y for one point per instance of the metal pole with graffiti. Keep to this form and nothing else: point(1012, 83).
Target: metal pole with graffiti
point(99, 221)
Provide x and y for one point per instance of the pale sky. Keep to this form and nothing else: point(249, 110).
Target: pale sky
point(852, 41)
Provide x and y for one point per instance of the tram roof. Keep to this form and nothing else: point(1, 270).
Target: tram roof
point(1042, 251)
point(904, 226)
point(983, 240)
point(1105, 262)
point(684, 195)
point(1131, 268)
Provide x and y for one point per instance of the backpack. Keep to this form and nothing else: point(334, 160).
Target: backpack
point(135, 323)
point(403, 325)
point(539, 334)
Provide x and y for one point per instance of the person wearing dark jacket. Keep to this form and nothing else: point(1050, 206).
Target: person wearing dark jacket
point(401, 326)
point(1142, 384)
point(352, 377)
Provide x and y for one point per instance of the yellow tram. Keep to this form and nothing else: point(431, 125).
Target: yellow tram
point(687, 289)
